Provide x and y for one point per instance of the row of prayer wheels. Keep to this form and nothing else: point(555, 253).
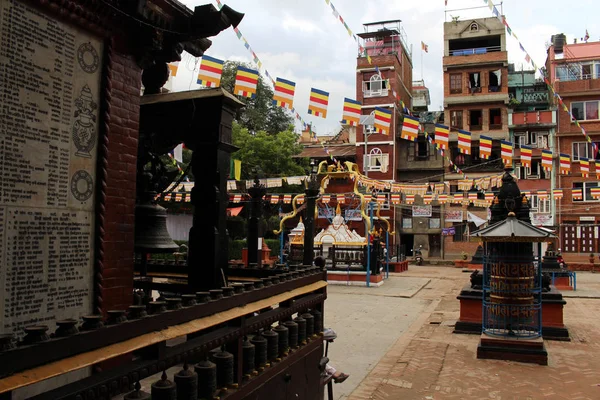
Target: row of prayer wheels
point(215, 375)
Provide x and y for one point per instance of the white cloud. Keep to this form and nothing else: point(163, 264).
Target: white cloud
point(290, 23)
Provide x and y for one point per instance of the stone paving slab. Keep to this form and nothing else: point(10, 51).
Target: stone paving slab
point(428, 361)
point(396, 286)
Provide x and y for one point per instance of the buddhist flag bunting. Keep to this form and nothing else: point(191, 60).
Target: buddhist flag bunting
point(300, 200)
point(341, 198)
point(542, 194)
point(427, 199)
point(325, 199)
point(287, 198)
point(442, 198)
point(317, 105)
point(577, 194)
point(597, 172)
point(351, 114)
point(506, 152)
point(283, 95)
point(565, 164)
point(441, 136)
point(237, 198)
point(381, 198)
point(395, 199)
point(383, 117)
point(547, 160)
point(274, 198)
point(489, 196)
point(464, 142)
point(595, 192)
point(557, 194)
point(526, 156)
point(410, 198)
point(485, 147)
point(246, 81)
point(472, 196)
point(173, 67)
point(410, 128)
point(584, 167)
point(210, 72)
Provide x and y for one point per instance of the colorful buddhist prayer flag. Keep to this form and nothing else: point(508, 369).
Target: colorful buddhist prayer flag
point(381, 198)
point(317, 105)
point(427, 198)
point(210, 72)
point(178, 196)
point(283, 95)
point(237, 198)
point(287, 198)
point(577, 194)
point(246, 81)
point(395, 199)
point(325, 199)
point(547, 160)
point(489, 196)
point(472, 196)
point(441, 136)
point(173, 67)
point(595, 192)
point(557, 194)
point(341, 198)
point(383, 117)
point(526, 156)
point(442, 198)
point(351, 114)
point(485, 147)
point(584, 167)
point(597, 172)
point(300, 200)
point(274, 199)
point(410, 128)
point(565, 164)
point(464, 142)
point(542, 194)
point(506, 152)
point(410, 198)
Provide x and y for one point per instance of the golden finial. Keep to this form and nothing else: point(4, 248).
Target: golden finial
point(338, 211)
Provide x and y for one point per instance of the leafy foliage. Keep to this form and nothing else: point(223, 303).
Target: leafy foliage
point(269, 155)
point(259, 114)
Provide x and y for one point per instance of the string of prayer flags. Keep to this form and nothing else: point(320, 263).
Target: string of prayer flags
point(442, 133)
point(427, 198)
point(526, 153)
point(506, 152)
point(547, 160)
point(489, 196)
point(472, 196)
point(584, 167)
point(597, 172)
point(410, 198)
point(317, 105)
point(557, 194)
point(485, 147)
point(246, 81)
point(464, 142)
point(351, 114)
point(383, 117)
point(274, 199)
point(542, 194)
point(287, 198)
point(442, 198)
point(410, 128)
point(595, 192)
point(341, 198)
point(565, 164)
point(173, 67)
point(283, 95)
point(577, 194)
point(395, 198)
point(381, 198)
point(210, 72)
point(325, 199)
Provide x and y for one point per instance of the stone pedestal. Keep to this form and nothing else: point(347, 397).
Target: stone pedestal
point(553, 327)
point(521, 350)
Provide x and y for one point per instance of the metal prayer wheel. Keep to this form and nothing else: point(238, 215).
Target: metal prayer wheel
point(207, 379)
point(66, 327)
point(283, 340)
point(260, 351)
point(35, 334)
point(164, 389)
point(202, 297)
point(301, 329)
point(272, 344)
point(92, 322)
point(157, 307)
point(136, 312)
point(238, 288)
point(227, 291)
point(116, 317)
point(258, 284)
point(137, 393)
point(310, 324)
point(248, 357)
point(293, 333)
point(216, 294)
point(511, 290)
point(318, 316)
point(188, 300)
point(224, 361)
point(173, 303)
point(248, 286)
point(186, 381)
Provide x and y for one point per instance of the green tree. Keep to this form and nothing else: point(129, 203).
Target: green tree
point(259, 114)
point(271, 155)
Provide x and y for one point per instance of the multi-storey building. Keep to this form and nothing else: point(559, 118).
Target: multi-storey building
point(574, 71)
point(532, 123)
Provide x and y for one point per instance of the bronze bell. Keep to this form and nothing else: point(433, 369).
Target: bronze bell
point(151, 235)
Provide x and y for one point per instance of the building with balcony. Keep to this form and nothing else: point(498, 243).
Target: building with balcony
point(574, 70)
point(525, 91)
point(421, 99)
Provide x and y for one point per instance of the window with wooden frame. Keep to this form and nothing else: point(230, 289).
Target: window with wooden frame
point(455, 83)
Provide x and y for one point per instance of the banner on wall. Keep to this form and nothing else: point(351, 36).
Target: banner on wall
point(542, 219)
point(453, 215)
point(448, 231)
point(352, 214)
point(421, 211)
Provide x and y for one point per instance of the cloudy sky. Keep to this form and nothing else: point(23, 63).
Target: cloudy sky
point(300, 40)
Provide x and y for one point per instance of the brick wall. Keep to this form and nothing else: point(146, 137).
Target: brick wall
point(121, 180)
point(484, 80)
point(496, 56)
point(485, 127)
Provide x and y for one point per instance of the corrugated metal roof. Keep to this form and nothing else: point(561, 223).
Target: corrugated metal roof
point(348, 150)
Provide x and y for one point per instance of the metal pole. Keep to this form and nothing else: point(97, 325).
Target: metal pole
point(311, 194)
point(281, 238)
point(387, 254)
point(369, 245)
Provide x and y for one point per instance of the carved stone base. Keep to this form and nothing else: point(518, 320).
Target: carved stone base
point(522, 350)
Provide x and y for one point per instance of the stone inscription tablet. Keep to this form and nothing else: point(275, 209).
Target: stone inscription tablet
point(50, 75)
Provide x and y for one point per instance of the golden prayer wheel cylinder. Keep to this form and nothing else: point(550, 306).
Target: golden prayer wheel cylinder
point(511, 288)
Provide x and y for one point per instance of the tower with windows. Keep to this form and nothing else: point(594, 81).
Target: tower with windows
point(384, 82)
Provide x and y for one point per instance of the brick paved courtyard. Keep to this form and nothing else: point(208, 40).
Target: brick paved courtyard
point(419, 357)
